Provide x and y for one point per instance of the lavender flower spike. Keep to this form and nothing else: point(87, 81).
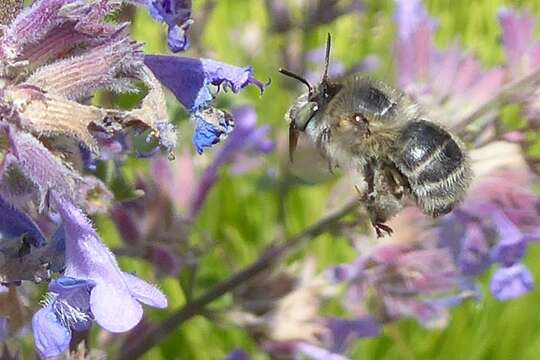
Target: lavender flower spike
point(115, 300)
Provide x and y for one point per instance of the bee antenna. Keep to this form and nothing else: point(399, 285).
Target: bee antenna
point(327, 56)
point(297, 77)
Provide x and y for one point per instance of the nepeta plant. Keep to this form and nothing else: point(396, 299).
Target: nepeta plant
point(54, 56)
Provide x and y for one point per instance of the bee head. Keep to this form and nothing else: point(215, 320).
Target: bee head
point(307, 105)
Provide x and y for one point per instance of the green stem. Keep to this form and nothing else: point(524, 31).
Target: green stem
point(274, 255)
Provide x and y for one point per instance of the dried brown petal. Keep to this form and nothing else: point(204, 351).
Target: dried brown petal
point(48, 115)
point(153, 112)
point(153, 108)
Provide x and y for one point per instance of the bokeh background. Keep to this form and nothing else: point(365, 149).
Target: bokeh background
point(244, 213)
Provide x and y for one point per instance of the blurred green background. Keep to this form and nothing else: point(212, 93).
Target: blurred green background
point(243, 214)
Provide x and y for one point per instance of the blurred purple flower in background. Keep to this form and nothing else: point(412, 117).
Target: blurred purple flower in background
point(500, 216)
point(237, 355)
point(409, 275)
point(522, 55)
point(448, 84)
point(522, 52)
point(282, 311)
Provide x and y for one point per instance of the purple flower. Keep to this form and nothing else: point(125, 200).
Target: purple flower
point(316, 352)
point(336, 339)
point(237, 355)
point(25, 253)
point(511, 282)
point(189, 80)
point(467, 238)
point(93, 286)
point(211, 126)
point(414, 47)
point(410, 16)
point(396, 280)
point(66, 308)
point(522, 52)
point(474, 257)
point(512, 245)
point(448, 84)
point(177, 15)
point(344, 331)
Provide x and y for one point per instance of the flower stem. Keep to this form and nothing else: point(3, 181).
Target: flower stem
point(271, 257)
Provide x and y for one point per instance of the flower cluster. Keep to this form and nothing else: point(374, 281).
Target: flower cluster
point(500, 216)
point(54, 56)
point(283, 310)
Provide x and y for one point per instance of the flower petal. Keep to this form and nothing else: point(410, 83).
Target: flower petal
point(230, 76)
point(114, 308)
point(187, 77)
point(211, 126)
point(344, 331)
point(50, 336)
point(315, 352)
point(512, 245)
point(474, 257)
point(176, 14)
point(237, 355)
point(65, 285)
point(144, 292)
point(511, 282)
point(517, 34)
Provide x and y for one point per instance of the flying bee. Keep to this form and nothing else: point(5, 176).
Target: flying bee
point(369, 127)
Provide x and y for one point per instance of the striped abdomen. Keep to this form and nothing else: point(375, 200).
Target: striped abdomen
point(435, 165)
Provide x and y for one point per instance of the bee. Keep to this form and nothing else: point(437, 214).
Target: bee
point(366, 126)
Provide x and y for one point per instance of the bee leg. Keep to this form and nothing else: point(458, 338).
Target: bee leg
point(331, 168)
point(397, 180)
point(362, 195)
point(380, 227)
